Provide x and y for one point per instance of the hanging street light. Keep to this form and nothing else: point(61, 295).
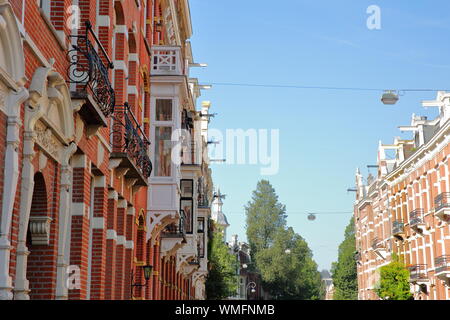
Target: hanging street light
point(389, 97)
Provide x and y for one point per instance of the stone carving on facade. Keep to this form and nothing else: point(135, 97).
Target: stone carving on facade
point(12, 95)
point(48, 123)
point(40, 230)
point(46, 140)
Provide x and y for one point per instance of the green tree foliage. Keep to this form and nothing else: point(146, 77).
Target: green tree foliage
point(265, 216)
point(343, 271)
point(394, 281)
point(285, 276)
point(291, 275)
point(222, 277)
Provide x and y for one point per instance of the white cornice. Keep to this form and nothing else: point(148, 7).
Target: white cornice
point(424, 153)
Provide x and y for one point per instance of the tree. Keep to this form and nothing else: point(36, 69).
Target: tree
point(343, 271)
point(265, 216)
point(292, 275)
point(394, 281)
point(222, 277)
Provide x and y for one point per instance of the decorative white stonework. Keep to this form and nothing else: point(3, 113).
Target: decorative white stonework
point(169, 246)
point(40, 230)
point(46, 140)
point(12, 95)
point(183, 263)
point(156, 222)
point(48, 123)
point(3, 92)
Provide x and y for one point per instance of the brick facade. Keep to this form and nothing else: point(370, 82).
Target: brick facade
point(81, 202)
point(404, 209)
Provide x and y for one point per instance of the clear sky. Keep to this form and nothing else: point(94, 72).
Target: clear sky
point(324, 134)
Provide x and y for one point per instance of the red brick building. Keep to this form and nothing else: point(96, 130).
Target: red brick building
point(78, 124)
point(405, 208)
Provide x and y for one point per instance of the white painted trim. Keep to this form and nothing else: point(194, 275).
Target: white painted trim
point(121, 240)
point(98, 223)
point(111, 234)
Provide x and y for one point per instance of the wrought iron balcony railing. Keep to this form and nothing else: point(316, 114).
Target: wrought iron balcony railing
point(416, 217)
point(442, 264)
point(89, 69)
point(418, 272)
point(442, 201)
point(130, 144)
point(176, 230)
point(398, 227)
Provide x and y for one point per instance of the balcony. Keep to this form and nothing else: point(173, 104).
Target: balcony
point(442, 267)
point(176, 230)
point(89, 71)
point(418, 273)
point(203, 202)
point(442, 205)
point(194, 262)
point(377, 244)
point(167, 61)
point(191, 156)
point(130, 148)
point(398, 229)
point(416, 220)
point(379, 248)
point(173, 236)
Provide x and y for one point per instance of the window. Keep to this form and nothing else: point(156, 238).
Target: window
point(186, 206)
point(163, 109)
point(201, 225)
point(201, 245)
point(163, 150)
point(187, 187)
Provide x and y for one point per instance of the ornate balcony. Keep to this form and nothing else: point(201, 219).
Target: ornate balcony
point(167, 61)
point(442, 267)
point(442, 205)
point(418, 273)
point(416, 220)
point(89, 70)
point(398, 229)
point(130, 148)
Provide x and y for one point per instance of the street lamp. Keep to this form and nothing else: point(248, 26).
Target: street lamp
point(252, 286)
point(147, 274)
point(389, 97)
point(287, 251)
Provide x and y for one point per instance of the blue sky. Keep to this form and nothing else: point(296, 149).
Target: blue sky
point(324, 134)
